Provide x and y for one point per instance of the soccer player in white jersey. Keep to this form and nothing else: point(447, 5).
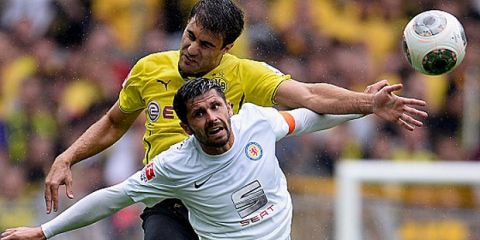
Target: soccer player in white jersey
point(226, 172)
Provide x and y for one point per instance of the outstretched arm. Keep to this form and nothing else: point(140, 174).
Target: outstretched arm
point(98, 137)
point(302, 120)
point(327, 98)
point(88, 210)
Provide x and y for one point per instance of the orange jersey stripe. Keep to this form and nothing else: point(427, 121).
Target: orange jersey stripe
point(290, 121)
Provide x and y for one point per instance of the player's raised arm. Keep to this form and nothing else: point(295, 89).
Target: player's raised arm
point(327, 98)
point(98, 137)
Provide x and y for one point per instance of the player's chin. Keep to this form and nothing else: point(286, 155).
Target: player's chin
point(218, 140)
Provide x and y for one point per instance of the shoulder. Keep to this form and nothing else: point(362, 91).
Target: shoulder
point(264, 120)
point(150, 65)
point(174, 159)
point(252, 113)
point(253, 109)
point(177, 150)
point(250, 64)
point(229, 59)
point(249, 108)
point(154, 59)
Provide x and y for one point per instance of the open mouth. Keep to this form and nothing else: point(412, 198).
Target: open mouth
point(214, 130)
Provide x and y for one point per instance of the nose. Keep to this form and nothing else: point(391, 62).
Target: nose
point(193, 48)
point(211, 117)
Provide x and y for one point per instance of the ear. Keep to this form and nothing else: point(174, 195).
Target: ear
point(227, 47)
point(230, 108)
point(186, 128)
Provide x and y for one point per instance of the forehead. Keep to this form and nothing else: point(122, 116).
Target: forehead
point(204, 100)
point(200, 32)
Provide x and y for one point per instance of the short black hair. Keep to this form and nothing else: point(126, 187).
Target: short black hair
point(221, 17)
point(191, 89)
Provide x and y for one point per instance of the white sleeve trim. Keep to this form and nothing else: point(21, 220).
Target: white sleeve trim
point(307, 121)
point(88, 210)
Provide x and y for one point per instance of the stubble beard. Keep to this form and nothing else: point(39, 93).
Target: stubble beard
point(205, 140)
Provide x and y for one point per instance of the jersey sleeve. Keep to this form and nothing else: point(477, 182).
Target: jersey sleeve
point(148, 185)
point(302, 120)
point(144, 186)
point(260, 82)
point(295, 122)
point(88, 210)
point(130, 98)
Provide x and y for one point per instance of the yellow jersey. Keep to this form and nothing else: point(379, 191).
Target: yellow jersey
point(154, 80)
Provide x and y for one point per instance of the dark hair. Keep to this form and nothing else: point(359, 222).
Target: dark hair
point(191, 89)
point(221, 17)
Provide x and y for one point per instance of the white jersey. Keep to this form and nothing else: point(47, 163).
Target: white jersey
point(240, 194)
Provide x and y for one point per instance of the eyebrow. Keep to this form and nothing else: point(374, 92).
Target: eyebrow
point(207, 43)
point(194, 110)
point(203, 42)
point(201, 108)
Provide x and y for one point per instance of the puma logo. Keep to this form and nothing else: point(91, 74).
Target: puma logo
point(165, 84)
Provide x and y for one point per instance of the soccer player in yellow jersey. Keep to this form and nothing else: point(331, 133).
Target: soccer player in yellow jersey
point(155, 79)
point(212, 28)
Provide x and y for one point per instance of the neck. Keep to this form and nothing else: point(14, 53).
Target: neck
point(190, 75)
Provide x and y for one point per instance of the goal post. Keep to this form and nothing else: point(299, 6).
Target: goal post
point(351, 174)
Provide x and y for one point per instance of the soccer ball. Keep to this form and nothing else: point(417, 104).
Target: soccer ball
point(434, 42)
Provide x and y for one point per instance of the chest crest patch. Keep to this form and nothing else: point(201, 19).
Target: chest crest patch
point(253, 151)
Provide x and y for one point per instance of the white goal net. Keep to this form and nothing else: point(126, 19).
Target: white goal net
point(359, 217)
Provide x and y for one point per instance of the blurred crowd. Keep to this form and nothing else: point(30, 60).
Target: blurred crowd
point(62, 63)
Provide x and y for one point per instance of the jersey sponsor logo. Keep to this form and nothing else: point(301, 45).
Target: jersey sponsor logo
point(164, 82)
point(153, 111)
point(167, 112)
point(276, 71)
point(249, 199)
point(258, 217)
point(197, 184)
point(253, 151)
point(148, 173)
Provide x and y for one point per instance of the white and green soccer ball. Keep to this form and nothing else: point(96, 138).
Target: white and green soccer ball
point(434, 42)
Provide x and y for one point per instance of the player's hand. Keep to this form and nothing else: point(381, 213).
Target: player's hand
point(60, 174)
point(397, 109)
point(23, 233)
point(374, 88)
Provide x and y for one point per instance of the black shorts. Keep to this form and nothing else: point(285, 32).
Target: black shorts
point(168, 220)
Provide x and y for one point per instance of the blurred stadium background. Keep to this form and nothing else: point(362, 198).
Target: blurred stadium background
point(62, 63)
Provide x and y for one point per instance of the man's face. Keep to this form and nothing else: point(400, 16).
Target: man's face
point(208, 119)
point(200, 50)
